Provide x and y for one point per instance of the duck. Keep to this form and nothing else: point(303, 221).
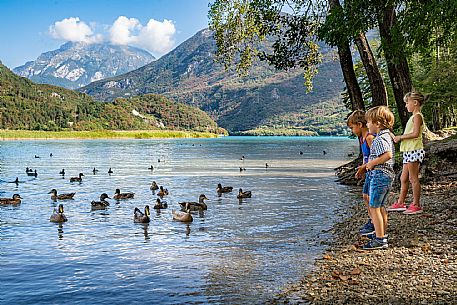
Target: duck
point(102, 204)
point(151, 168)
point(154, 186)
point(225, 189)
point(95, 170)
point(183, 216)
point(110, 171)
point(54, 195)
point(77, 179)
point(34, 173)
point(266, 165)
point(119, 195)
point(16, 199)
point(242, 194)
point(37, 156)
point(28, 170)
point(195, 206)
point(160, 205)
point(58, 215)
point(162, 192)
point(62, 172)
point(141, 217)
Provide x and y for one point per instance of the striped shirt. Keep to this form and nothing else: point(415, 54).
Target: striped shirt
point(381, 144)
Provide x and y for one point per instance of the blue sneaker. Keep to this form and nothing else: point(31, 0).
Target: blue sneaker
point(368, 228)
point(376, 243)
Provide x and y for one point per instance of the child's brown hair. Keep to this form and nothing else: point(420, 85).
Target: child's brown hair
point(415, 96)
point(381, 115)
point(358, 116)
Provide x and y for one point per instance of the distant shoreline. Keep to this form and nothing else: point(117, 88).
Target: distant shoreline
point(11, 135)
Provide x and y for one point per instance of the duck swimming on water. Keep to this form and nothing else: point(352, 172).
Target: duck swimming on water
point(119, 195)
point(102, 204)
point(58, 215)
point(77, 179)
point(54, 195)
point(225, 189)
point(195, 206)
point(16, 199)
point(141, 217)
point(241, 194)
point(183, 216)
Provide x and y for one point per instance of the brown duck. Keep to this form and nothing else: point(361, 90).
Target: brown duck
point(183, 216)
point(195, 206)
point(154, 186)
point(141, 217)
point(77, 179)
point(242, 194)
point(119, 195)
point(54, 195)
point(160, 205)
point(102, 204)
point(16, 199)
point(225, 189)
point(58, 215)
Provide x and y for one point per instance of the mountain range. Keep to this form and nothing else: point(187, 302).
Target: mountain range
point(265, 98)
point(76, 64)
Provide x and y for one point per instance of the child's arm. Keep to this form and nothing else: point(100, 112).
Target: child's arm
point(379, 160)
point(417, 122)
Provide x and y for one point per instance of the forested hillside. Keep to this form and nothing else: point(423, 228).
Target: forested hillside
point(26, 105)
point(264, 97)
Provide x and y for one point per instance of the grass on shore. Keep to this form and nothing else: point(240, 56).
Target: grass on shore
point(102, 134)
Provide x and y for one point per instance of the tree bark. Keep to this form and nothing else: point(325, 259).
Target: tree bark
point(377, 86)
point(397, 65)
point(347, 67)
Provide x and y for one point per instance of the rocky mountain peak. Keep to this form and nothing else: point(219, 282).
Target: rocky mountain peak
point(76, 64)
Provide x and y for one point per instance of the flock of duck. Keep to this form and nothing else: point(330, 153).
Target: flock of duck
point(183, 215)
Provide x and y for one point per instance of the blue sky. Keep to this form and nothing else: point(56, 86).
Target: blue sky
point(31, 27)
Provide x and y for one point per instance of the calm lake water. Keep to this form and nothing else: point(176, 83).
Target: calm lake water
point(236, 253)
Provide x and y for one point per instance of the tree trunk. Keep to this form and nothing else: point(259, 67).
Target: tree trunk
point(397, 65)
point(347, 66)
point(377, 86)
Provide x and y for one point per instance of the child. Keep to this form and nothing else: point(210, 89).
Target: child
point(380, 164)
point(358, 124)
point(413, 154)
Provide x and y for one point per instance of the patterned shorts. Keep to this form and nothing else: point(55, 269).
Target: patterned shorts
point(413, 156)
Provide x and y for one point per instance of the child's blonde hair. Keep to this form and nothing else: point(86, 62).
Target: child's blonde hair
point(358, 116)
point(415, 96)
point(381, 115)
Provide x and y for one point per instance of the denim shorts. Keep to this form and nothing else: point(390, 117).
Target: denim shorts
point(366, 184)
point(380, 183)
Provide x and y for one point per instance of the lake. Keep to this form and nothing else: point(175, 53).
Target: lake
point(237, 252)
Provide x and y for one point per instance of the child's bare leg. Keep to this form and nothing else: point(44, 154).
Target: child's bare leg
point(377, 221)
point(415, 183)
point(404, 179)
point(366, 200)
point(384, 218)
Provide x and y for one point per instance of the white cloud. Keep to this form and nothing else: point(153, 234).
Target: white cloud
point(156, 36)
point(73, 29)
point(121, 32)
